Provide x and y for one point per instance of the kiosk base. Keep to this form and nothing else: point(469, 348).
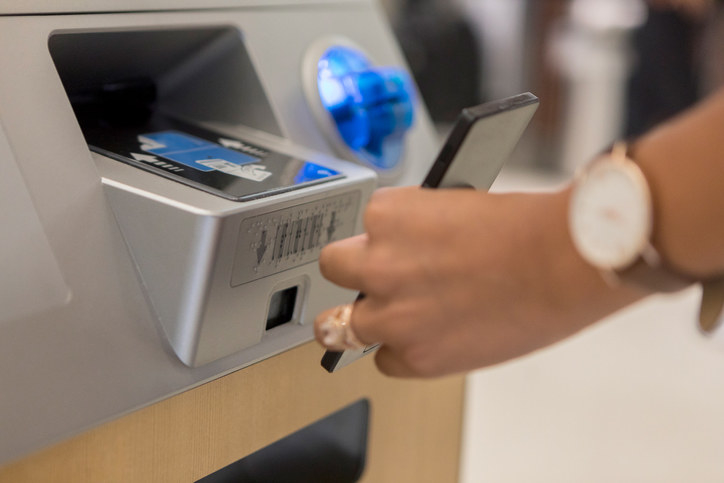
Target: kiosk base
point(414, 426)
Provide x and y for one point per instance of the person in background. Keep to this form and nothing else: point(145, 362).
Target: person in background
point(692, 8)
point(670, 61)
point(443, 54)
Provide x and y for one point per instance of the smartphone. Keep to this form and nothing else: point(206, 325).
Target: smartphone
point(478, 145)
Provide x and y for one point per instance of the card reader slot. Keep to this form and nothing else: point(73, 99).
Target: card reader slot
point(198, 73)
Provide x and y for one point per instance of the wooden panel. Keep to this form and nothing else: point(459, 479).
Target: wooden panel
point(414, 433)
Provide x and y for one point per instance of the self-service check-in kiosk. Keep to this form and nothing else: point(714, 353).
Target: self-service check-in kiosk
point(170, 172)
point(223, 225)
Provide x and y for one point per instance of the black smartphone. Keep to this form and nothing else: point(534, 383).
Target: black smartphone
point(478, 145)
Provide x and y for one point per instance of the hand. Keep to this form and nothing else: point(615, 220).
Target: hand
point(459, 279)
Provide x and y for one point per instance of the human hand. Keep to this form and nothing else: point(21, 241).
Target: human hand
point(460, 279)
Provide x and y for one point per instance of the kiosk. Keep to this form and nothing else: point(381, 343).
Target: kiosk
point(169, 172)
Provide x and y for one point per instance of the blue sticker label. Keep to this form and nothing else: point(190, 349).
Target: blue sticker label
point(313, 172)
point(193, 152)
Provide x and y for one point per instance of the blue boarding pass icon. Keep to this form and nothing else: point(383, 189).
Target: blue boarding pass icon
point(191, 151)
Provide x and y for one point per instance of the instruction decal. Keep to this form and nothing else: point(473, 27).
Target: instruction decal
point(235, 169)
point(254, 172)
point(201, 154)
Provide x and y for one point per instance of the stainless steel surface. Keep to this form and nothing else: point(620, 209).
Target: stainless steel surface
point(31, 281)
point(16, 7)
point(280, 240)
point(102, 354)
point(190, 249)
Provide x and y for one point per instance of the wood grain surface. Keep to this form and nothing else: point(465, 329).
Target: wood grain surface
point(415, 426)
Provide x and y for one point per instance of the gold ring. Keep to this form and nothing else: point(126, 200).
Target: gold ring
point(337, 331)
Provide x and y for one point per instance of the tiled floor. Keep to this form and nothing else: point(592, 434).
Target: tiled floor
point(638, 398)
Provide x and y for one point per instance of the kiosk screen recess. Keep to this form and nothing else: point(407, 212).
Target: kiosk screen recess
point(227, 167)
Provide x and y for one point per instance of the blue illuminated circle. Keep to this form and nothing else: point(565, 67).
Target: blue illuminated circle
point(372, 107)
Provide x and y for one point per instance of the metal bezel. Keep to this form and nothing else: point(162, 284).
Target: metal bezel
point(618, 160)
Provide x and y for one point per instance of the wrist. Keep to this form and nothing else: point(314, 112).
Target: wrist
point(664, 235)
point(683, 167)
point(574, 285)
point(626, 221)
point(611, 220)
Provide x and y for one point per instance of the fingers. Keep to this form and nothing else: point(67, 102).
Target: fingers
point(390, 364)
point(342, 262)
point(370, 320)
point(385, 209)
point(366, 322)
point(333, 335)
point(363, 263)
point(334, 332)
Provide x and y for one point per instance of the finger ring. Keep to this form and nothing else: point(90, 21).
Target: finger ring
point(337, 330)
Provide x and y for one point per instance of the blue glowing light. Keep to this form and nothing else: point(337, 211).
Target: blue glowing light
point(373, 107)
point(313, 172)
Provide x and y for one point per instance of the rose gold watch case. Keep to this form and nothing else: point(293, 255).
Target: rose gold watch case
point(640, 246)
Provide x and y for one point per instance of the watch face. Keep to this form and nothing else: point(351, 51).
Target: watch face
point(610, 214)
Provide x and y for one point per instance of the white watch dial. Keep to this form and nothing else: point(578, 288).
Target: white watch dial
point(611, 214)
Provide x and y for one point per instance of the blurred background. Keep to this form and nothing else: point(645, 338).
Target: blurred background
point(602, 68)
point(639, 397)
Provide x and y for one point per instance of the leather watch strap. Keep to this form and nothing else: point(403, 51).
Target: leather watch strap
point(711, 315)
point(650, 272)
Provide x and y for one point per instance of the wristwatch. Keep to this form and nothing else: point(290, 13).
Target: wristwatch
point(611, 219)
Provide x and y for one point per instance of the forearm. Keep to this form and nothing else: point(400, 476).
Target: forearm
point(683, 161)
point(458, 279)
point(577, 292)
